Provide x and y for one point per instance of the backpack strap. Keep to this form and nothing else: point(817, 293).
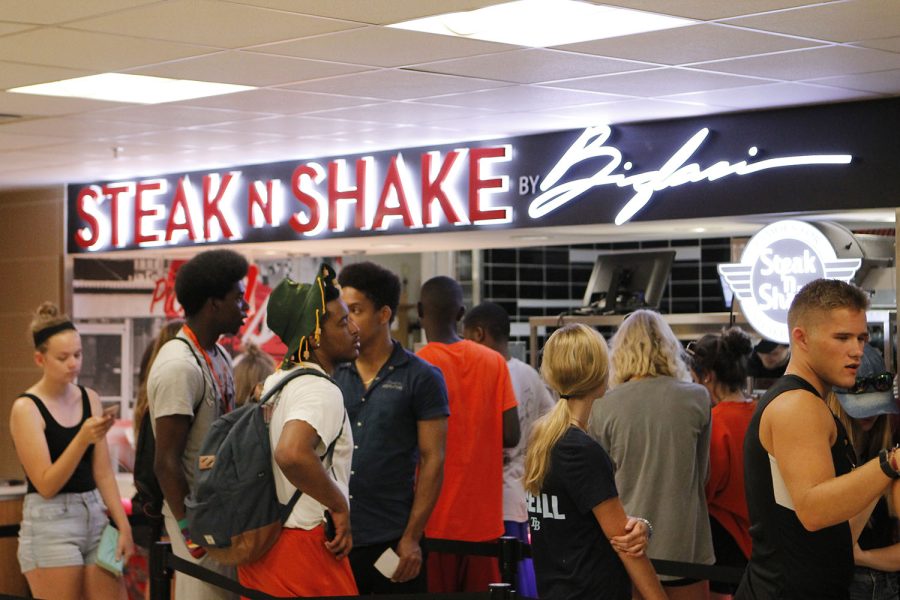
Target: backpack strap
point(199, 364)
point(269, 395)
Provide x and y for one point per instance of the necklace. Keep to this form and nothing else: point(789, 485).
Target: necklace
point(577, 421)
point(368, 381)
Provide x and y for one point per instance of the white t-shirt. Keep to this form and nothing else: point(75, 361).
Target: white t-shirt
point(535, 400)
point(318, 402)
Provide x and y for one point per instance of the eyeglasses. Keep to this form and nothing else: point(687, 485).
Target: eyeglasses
point(880, 383)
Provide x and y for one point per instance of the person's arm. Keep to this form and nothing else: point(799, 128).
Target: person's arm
point(295, 455)
point(882, 559)
point(27, 430)
point(109, 488)
point(171, 439)
point(432, 436)
point(858, 521)
point(611, 517)
point(511, 432)
point(635, 539)
point(796, 429)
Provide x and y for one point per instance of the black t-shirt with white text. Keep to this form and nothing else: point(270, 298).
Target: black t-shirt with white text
point(572, 557)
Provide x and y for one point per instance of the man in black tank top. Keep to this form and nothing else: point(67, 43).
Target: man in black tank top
point(807, 502)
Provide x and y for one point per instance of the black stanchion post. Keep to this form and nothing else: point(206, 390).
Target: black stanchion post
point(501, 591)
point(160, 573)
point(510, 555)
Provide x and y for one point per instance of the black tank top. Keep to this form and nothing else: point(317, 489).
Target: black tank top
point(58, 439)
point(788, 561)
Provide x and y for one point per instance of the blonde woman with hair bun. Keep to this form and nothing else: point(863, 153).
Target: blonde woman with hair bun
point(580, 545)
point(655, 424)
point(59, 431)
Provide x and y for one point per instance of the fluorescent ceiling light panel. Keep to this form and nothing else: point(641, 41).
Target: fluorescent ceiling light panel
point(137, 89)
point(542, 23)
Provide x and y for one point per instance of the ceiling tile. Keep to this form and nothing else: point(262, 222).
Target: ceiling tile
point(292, 127)
point(31, 105)
point(533, 65)
point(396, 84)
point(808, 64)
point(772, 95)
point(631, 110)
point(659, 82)
point(7, 28)
point(707, 10)
point(507, 124)
point(690, 44)
point(75, 128)
point(891, 44)
point(219, 24)
point(372, 11)
point(103, 149)
point(525, 98)
point(851, 21)
point(247, 68)
point(282, 102)
point(47, 12)
point(18, 75)
point(199, 138)
point(401, 113)
point(172, 115)
point(97, 52)
point(883, 82)
point(10, 141)
point(382, 47)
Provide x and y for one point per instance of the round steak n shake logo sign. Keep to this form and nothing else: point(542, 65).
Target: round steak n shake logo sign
point(776, 263)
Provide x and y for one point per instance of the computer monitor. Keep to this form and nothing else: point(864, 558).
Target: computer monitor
point(625, 281)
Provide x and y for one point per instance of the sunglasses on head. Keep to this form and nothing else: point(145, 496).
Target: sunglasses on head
point(880, 383)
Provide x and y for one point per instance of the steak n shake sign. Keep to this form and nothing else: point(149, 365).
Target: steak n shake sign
point(723, 165)
point(775, 264)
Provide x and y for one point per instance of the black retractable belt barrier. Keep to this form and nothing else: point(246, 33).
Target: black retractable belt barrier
point(695, 571)
point(7, 531)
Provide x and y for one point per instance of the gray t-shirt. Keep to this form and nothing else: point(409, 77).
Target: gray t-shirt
point(656, 431)
point(174, 387)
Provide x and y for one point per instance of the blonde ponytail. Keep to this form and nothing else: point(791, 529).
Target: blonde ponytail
point(576, 362)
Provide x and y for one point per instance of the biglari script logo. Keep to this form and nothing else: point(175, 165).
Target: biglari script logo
point(775, 264)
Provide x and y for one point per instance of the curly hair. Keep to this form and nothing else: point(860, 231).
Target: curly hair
point(375, 282)
point(644, 346)
point(210, 274)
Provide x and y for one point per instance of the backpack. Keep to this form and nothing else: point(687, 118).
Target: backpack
point(235, 513)
point(148, 497)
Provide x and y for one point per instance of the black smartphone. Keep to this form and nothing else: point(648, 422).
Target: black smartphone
point(329, 526)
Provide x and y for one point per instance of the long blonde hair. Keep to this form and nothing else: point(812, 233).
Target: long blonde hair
point(644, 346)
point(576, 362)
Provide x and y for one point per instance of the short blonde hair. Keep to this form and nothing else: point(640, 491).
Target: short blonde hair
point(645, 346)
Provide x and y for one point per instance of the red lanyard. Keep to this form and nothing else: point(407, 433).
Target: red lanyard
point(219, 385)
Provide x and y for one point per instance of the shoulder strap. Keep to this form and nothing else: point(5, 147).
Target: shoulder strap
point(269, 395)
point(293, 374)
point(85, 404)
point(40, 405)
point(199, 364)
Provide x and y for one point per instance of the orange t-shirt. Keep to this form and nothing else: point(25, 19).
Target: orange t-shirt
point(725, 488)
point(470, 507)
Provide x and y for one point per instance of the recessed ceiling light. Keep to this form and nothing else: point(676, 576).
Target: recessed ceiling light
point(542, 23)
point(138, 89)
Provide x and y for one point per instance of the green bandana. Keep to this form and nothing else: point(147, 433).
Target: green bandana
point(295, 312)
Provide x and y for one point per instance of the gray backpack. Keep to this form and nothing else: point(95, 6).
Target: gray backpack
point(235, 513)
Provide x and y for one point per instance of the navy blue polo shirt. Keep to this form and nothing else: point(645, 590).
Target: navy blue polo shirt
point(384, 420)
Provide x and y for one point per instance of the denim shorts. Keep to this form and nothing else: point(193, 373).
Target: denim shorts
point(63, 531)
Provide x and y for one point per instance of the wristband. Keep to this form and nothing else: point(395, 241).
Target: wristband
point(649, 527)
point(884, 459)
point(196, 550)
